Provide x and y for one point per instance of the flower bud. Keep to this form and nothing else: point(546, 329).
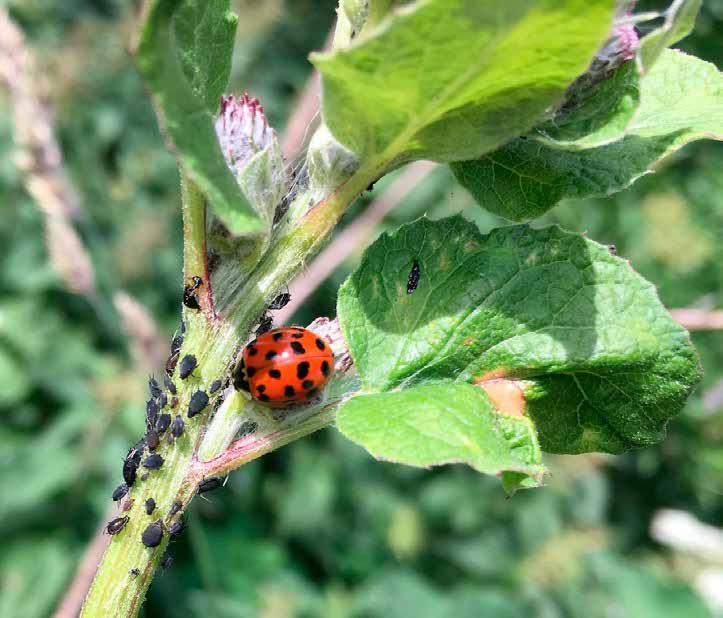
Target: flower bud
point(329, 163)
point(252, 153)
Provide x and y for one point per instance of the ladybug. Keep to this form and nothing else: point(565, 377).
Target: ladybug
point(284, 366)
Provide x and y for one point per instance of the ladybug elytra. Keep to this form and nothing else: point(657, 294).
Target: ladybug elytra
point(285, 366)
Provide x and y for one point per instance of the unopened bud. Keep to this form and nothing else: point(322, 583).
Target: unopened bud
point(329, 162)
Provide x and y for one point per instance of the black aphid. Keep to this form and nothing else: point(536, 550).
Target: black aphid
point(166, 562)
point(163, 423)
point(176, 527)
point(199, 400)
point(215, 385)
point(174, 402)
point(116, 525)
point(169, 385)
point(150, 506)
point(144, 476)
point(130, 468)
point(189, 294)
point(266, 322)
point(186, 366)
point(210, 484)
point(152, 439)
point(134, 573)
point(119, 492)
point(280, 301)
point(154, 387)
point(153, 462)
point(152, 409)
point(177, 427)
point(413, 279)
point(152, 535)
point(162, 400)
point(176, 344)
point(175, 508)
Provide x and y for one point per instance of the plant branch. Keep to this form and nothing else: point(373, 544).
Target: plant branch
point(698, 319)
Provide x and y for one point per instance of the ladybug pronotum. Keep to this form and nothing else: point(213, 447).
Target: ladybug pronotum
point(285, 366)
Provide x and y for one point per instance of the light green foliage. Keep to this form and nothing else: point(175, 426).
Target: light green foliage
point(681, 101)
point(600, 363)
point(679, 22)
point(449, 80)
point(442, 423)
point(186, 76)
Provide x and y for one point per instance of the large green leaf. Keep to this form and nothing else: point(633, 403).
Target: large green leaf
point(681, 101)
point(184, 54)
point(451, 79)
point(679, 22)
point(596, 361)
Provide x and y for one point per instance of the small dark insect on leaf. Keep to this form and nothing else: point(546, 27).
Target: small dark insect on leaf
point(130, 468)
point(150, 506)
point(152, 410)
point(119, 492)
point(176, 527)
point(116, 525)
point(162, 400)
point(210, 484)
point(167, 562)
point(127, 505)
point(175, 508)
point(189, 294)
point(215, 385)
point(199, 400)
point(152, 439)
point(163, 423)
point(176, 344)
point(280, 301)
point(186, 366)
point(154, 387)
point(413, 279)
point(265, 324)
point(613, 249)
point(174, 402)
point(177, 427)
point(169, 385)
point(152, 535)
point(134, 573)
point(153, 462)
point(135, 452)
point(144, 476)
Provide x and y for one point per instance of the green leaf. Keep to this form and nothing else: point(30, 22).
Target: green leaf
point(681, 101)
point(549, 323)
point(679, 23)
point(452, 79)
point(184, 53)
point(442, 423)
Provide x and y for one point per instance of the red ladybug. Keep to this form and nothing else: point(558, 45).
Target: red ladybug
point(285, 366)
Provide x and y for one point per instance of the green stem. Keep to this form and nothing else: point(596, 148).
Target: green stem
point(214, 342)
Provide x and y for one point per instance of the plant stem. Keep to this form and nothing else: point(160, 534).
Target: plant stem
point(214, 342)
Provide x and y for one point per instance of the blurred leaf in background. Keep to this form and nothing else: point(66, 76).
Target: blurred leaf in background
point(318, 529)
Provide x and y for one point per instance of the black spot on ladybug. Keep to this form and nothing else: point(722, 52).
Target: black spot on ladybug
point(177, 427)
point(261, 388)
point(150, 506)
point(320, 344)
point(153, 462)
point(215, 385)
point(275, 373)
point(312, 393)
point(169, 385)
point(134, 573)
point(289, 391)
point(176, 527)
point(263, 397)
point(307, 384)
point(187, 365)
point(280, 301)
point(325, 368)
point(175, 508)
point(270, 354)
point(199, 400)
point(152, 535)
point(167, 562)
point(152, 439)
point(163, 423)
point(278, 336)
point(116, 525)
point(210, 484)
point(250, 371)
point(302, 370)
point(413, 278)
point(298, 348)
point(119, 492)
point(297, 336)
point(253, 351)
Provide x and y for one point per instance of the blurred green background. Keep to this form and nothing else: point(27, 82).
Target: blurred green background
point(318, 528)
